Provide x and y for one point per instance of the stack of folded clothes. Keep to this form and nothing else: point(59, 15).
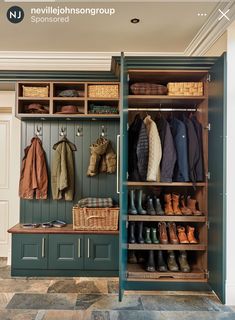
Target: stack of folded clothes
point(95, 203)
point(70, 93)
point(36, 108)
point(103, 109)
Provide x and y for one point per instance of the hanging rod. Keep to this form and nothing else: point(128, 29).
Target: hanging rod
point(161, 109)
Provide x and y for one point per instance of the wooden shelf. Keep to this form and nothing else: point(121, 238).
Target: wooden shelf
point(191, 247)
point(167, 218)
point(164, 184)
point(103, 99)
point(33, 98)
point(173, 101)
point(68, 99)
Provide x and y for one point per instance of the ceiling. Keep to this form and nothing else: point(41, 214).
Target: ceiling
point(164, 27)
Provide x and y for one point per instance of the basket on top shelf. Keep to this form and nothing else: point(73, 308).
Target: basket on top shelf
point(103, 91)
point(38, 92)
point(95, 219)
point(185, 88)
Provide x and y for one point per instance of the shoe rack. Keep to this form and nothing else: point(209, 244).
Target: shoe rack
point(197, 254)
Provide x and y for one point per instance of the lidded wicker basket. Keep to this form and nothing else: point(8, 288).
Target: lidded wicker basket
point(103, 91)
point(39, 92)
point(185, 88)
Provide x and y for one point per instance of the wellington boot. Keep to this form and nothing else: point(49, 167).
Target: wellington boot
point(132, 257)
point(157, 206)
point(162, 233)
point(182, 235)
point(168, 205)
point(183, 262)
point(190, 235)
point(131, 232)
point(184, 209)
point(172, 233)
point(153, 233)
point(132, 208)
point(192, 205)
point(171, 262)
point(149, 207)
point(175, 202)
point(140, 209)
point(161, 265)
point(150, 267)
point(147, 238)
point(141, 257)
point(140, 238)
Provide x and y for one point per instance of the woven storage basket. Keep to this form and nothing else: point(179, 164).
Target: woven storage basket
point(185, 88)
point(103, 91)
point(39, 92)
point(143, 88)
point(95, 218)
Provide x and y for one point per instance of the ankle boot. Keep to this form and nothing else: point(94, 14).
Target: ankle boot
point(150, 209)
point(184, 209)
point(131, 232)
point(147, 236)
point(154, 238)
point(132, 208)
point(140, 209)
point(162, 233)
point(182, 235)
point(150, 267)
point(176, 202)
point(172, 233)
point(190, 235)
point(183, 262)
point(157, 206)
point(132, 257)
point(168, 205)
point(192, 205)
point(161, 265)
point(140, 238)
point(171, 262)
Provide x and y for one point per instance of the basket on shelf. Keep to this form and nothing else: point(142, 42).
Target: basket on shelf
point(95, 219)
point(145, 88)
point(185, 88)
point(38, 92)
point(103, 91)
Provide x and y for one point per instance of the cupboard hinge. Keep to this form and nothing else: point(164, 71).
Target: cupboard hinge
point(126, 224)
point(208, 224)
point(127, 126)
point(208, 175)
point(208, 274)
point(208, 127)
point(128, 77)
point(208, 79)
point(127, 176)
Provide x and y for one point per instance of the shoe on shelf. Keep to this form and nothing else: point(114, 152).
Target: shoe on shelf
point(183, 262)
point(132, 208)
point(163, 238)
point(168, 205)
point(171, 262)
point(147, 236)
point(172, 233)
point(157, 206)
point(184, 209)
point(192, 205)
point(161, 265)
point(150, 266)
point(132, 257)
point(190, 235)
point(140, 256)
point(140, 238)
point(140, 209)
point(153, 234)
point(176, 203)
point(182, 235)
point(149, 206)
point(131, 232)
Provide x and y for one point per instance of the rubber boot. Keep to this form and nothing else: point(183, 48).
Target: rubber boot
point(132, 257)
point(176, 202)
point(171, 262)
point(150, 267)
point(184, 209)
point(140, 209)
point(132, 208)
point(161, 265)
point(157, 206)
point(183, 262)
point(190, 235)
point(168, 205)
point(147, 236)
point(192, 205)
point(150, 207)
point(131, 232)
point(140, 238)
point(153, 234)
point(141, 257)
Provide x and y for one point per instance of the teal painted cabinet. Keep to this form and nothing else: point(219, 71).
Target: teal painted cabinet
point(30, 252)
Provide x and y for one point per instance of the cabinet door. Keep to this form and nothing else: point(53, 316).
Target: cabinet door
point(101, 252)
point(66, 251)
point(217, 182)
point(29, 251)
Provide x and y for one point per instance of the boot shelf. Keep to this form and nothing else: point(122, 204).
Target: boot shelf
point(193, 247)
point(165, 184)
point(167, 218)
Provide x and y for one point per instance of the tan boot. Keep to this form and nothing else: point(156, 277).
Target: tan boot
point(168, 205)
point(190, 235)
point(191, 204)
point(175, 201)
point(172, 233)
point(162, 233)
point(184, 209)
point(182, 235)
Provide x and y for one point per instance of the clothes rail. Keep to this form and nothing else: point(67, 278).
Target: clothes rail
point(161, 109)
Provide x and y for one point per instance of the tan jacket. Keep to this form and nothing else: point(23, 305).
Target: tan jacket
point(34, 177)
point(155, 150)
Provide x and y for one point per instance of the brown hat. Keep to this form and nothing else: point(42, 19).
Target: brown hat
point(68, 109)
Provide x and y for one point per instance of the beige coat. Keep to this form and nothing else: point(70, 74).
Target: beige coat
point(155, 150)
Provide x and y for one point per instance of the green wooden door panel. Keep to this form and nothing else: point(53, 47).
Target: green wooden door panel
point(217, 182)
point(29, 251)
point(101, 252)
point(66, 251)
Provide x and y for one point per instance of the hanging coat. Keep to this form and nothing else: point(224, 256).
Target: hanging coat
point(199, 168)
point(179, 134)
point(142, 152)
point(155, 150)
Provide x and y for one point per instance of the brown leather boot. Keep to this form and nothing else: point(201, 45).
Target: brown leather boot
point(191, 203)
point(168, 205)
point(172, 233)
point(175, 201)
point(190, 235)
point(184, 209)
point(182, 235)
point(162, 233)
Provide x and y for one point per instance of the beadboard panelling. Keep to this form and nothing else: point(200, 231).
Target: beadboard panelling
point(4, 218)
point(103, 185)
point(5, 153)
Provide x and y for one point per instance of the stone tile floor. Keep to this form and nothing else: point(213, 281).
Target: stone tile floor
point(97, 299)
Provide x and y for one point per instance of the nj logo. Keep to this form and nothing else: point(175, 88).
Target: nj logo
point(15, 14)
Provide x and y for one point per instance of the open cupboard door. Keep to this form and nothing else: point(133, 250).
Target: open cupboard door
point(217, 178)
point(123, 177)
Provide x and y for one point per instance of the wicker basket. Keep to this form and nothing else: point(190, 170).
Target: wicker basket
point(95, 218)
point(39, 92)
point(185, 88)
point(103, 91)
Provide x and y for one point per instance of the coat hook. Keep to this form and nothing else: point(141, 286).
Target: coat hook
point(38, 131)
point(79, 132)
point(103, 131)
point(62, 132)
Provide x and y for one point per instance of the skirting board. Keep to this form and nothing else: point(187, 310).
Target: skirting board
point(230, 293)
